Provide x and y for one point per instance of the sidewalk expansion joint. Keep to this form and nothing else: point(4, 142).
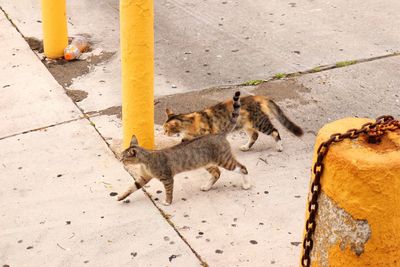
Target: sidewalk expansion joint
point(10, 20)
point(42, 128)
point(169, 221)
point(88, 117)
point(321, 68)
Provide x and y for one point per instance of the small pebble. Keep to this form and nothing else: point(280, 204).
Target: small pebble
point(68, 222)
point(218, 251)
point(30, 247)
point(20, 241)
point(253, 242)
point(127, 201)
point(201, 233)
point(133, 254)
point(158, 191)
point(266, 192)
point(59, 175)
point(86, 261)
point(113, 194)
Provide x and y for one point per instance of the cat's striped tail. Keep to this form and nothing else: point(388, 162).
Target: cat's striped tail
point(291, 126)
point(235, 113)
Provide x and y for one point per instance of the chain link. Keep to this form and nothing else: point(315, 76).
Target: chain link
point(374, 131)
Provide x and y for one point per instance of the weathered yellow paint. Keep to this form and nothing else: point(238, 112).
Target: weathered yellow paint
point(55, 32)
point(137, 57)
point(364, 180)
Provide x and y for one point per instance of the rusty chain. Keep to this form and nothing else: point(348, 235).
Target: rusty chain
point(374, 131)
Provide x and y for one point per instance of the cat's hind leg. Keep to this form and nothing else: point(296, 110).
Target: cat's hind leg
point(215, 174)
point(137, 185)
point(265, 126)
point(252, 135)
point(277, 138)
point(232, 164)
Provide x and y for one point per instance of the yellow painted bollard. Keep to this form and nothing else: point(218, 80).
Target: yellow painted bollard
point(55, 33)
point(137, 57)
point(358, 218)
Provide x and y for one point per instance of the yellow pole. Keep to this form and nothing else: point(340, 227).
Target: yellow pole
point(55, 33)
point(137, 59)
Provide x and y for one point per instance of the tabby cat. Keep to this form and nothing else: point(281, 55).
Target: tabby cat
point(209, 151)
point(254, 118)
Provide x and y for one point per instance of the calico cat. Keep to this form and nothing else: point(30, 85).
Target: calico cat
point(254, 118)
point(209, 151)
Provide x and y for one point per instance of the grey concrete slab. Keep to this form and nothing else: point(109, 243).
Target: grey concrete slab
point(270, 37)
point(230, 218)
point(27, 87)
point(55, 207)
point(205, 43)
point(256, 39)
point(227, 218)
point(368, 89)
point(262, 226)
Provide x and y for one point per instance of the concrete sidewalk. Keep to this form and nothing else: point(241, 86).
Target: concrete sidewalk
point(57, 173)
point(225, 226)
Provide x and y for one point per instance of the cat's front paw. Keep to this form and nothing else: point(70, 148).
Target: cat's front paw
point(205, 187)
point(245, 148)
point(246, 186)
point(166, 203)
point(279, 147)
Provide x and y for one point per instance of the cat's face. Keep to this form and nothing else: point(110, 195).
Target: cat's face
point(172, 126)
point(129, 155)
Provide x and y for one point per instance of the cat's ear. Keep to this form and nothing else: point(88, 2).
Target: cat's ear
point(134, 141)
point(169, 112)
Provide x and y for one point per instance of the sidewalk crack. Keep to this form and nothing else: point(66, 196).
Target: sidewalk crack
point(321, 68)
point(42, 128)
